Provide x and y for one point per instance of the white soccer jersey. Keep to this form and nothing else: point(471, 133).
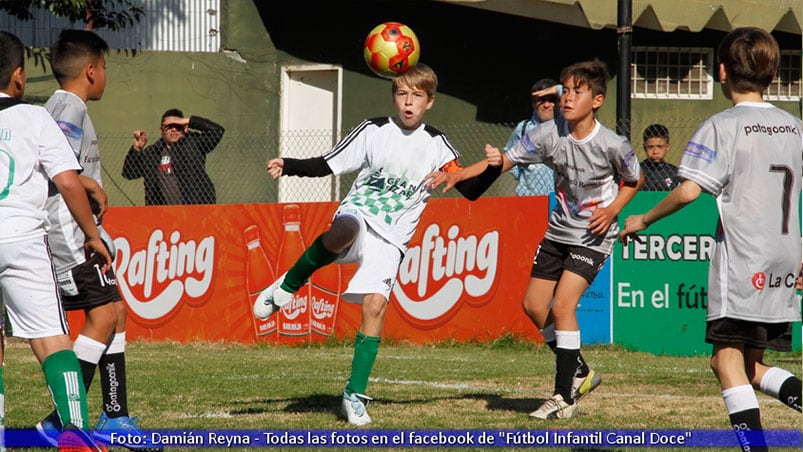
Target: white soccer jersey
point(751, 157)
point(65, 236)
point(393, 162)
point(584, 177)
point(32, 151)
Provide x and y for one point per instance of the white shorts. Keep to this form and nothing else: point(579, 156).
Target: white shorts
point(378, 260)
point(30, 291)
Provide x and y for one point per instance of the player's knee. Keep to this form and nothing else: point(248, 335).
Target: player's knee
point(374, 306)
point(714, 364)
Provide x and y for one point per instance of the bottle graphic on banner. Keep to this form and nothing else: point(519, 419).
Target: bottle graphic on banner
point(259, 275)
point(325, 298)
point(293, 318)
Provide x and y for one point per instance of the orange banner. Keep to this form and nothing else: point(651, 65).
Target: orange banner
point(191, 273)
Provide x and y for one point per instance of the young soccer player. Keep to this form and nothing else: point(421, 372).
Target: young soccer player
point(749, 157)
point(79, 65)
point(32, 151)
point(585, 156)
point(376, 219)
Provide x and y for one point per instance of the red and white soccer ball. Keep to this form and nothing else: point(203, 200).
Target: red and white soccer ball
point(391, 49)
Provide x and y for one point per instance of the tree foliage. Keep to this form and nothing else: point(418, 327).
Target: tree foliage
point(95, 14)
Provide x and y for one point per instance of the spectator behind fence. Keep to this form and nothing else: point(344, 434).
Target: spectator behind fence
point(174, 168)
point(658, 174)
point(536, 178)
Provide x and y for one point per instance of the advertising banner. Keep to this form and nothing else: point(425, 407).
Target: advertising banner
point(660, 292)
point(192, 273)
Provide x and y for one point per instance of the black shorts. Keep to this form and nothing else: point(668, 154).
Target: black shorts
point(552, 258)
point(777, 336)
point(84, 287)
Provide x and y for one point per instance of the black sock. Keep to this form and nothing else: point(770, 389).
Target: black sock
point(88, 372)
point(747, 427)
point(553, 345)
point(566, 365)
point(582, 367)
point(113, 384)
point(790, 393)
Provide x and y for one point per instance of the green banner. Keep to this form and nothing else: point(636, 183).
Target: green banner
point(659, 293)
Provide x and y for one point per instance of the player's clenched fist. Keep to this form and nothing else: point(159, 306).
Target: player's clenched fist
point(140, 139)
point(493, 156)
point(275, 167)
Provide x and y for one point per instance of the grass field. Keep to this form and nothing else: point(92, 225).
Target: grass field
point(446, 386)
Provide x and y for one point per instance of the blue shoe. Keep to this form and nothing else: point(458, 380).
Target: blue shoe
point(73, 439)
point(49, 428)
point(123, 426)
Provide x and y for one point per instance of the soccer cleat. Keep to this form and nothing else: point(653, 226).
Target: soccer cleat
point(125, 427)
point(73, 439)
point(49, 428)
point(554, 408)
point(271, 300)
point(354, 408)
point(581, 386)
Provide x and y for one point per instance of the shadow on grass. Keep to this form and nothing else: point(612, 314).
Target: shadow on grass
point(321, 403)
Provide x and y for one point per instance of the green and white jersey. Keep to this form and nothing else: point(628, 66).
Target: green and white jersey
point(65, 237)
point(389, 189)
point(584, 177)
point(751, 158)
point(32, 151)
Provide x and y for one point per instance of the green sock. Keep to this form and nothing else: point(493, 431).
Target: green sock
point(314, 257)
point(65, 382)
point(365, 350)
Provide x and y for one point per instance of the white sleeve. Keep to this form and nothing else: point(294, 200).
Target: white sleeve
point(350, 153)
point(55, 153)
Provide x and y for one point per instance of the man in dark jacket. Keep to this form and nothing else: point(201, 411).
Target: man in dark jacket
point(174, 168)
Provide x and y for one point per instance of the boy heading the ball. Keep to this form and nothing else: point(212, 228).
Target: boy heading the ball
point(585, 156)
point(375, 221)
point(749, 157)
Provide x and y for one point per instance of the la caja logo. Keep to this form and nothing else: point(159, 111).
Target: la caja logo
point(155, 279)
point(443, 271)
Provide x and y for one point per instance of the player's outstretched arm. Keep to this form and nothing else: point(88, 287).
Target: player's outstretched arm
point(678, 198)
point(74, 194)
point(473, 180)
point(312, 167)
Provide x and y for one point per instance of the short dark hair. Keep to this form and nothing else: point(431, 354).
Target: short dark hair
point(11, 57)
point(172, 112)
point(73, 50)
point(593, 74)
point(656, 131)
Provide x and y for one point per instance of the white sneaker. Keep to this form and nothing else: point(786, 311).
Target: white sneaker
point(354, 408)
point(271, 299)
point(554, 408)
point(581, 386)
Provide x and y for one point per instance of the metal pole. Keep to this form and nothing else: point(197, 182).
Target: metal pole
point(624, 31)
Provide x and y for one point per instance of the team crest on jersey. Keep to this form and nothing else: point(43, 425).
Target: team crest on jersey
point(70, 130)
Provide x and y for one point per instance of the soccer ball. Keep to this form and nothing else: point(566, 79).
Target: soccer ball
point(391, 49)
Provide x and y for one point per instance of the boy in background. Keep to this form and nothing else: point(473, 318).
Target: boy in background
point(749, 157)
point(586, 157)
point(377, 218)
point(33, 151)
point(79, 65)
point(659, 175)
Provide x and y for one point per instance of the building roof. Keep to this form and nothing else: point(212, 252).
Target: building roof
point(661, 15)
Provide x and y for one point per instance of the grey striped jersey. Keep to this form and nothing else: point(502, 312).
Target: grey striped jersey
point(584, 177)
point(65, 237)
point(751, 157)
point(389, 190)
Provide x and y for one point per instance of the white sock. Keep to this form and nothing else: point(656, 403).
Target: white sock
point(88, 349)
point(548, 332)
point(739, 398)
point(568, 340)
point(117, 344)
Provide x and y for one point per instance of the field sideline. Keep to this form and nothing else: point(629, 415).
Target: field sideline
point(445, 386)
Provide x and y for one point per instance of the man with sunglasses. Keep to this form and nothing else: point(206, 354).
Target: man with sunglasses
point(537, 178)
point(174, 168)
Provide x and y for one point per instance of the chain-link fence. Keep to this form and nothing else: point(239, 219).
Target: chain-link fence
point(237, 165)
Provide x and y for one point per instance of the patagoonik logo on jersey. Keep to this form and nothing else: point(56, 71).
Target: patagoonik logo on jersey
point(155, 279)
point(445, 270)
